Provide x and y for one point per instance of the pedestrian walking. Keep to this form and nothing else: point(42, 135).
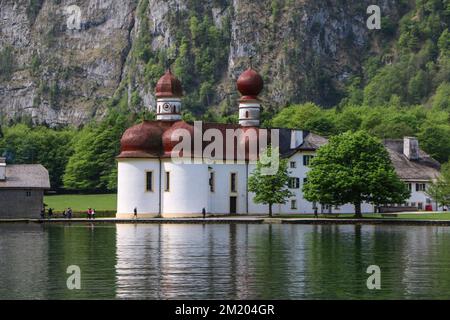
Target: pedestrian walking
point(89, 212)
point(93, 213)
point(69, 213)
point(204, 213)
point(135, 213)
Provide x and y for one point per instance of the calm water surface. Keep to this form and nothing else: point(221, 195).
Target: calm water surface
point(241, 261)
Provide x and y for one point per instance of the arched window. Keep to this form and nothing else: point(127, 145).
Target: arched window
point(246, 114)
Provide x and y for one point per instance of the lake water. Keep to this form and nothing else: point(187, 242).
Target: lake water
point(238, 261)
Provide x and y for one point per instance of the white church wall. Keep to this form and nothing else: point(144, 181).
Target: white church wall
point(132, 193)
point(189, 189)
point(219, 200)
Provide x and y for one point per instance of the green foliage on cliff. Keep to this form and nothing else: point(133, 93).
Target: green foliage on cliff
point(33, 8)
point(197, 54)
point(418, 62)
point(6, 63)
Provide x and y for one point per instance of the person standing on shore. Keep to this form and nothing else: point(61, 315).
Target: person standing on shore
point(89, 213)
point(69, 213)
point(93, 213)
point(135, 213)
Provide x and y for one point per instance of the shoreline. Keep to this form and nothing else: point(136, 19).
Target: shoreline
point(246, 220)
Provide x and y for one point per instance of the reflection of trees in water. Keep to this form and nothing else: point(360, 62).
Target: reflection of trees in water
point(92, 249)
point(339, 255)
point(426, 262)
point(23, 261)
point(269, 262)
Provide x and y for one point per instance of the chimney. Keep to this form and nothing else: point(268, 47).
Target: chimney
point(296, 138)
point(2, 169)
point(411, 148)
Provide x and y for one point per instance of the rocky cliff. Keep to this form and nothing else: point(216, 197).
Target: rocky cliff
point(61, 63)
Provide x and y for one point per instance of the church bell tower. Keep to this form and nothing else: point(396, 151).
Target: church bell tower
point(250, 84)
point(168, 98)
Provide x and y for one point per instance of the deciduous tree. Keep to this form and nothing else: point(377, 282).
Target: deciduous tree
point(354, 168)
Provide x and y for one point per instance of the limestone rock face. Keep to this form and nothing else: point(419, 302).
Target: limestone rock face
point(67, 61)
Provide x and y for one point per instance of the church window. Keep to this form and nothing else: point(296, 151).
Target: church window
point(233, 182)
point(307, 160)
point(167, 189)
point(293, 204)
point(420, 186)
point(149, 181)
point(294, 183)
point(212, 181)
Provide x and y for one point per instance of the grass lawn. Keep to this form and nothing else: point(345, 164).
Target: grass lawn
point(80, 202)
point(415, 216)
point(426, 216)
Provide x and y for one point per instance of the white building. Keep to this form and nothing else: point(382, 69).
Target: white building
point(150, 181)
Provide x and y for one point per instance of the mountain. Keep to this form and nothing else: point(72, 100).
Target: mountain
point(66, 64)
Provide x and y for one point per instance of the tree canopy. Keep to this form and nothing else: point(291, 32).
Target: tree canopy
point(439, 190)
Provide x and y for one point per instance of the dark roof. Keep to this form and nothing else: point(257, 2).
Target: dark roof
point(26, 176)
point(424, 168)
point(311, 142)
point(137, 142)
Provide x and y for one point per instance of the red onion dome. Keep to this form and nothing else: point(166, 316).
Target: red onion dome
point(168, 86)
point(250, 84)
point(168, 144)
point(142, 141)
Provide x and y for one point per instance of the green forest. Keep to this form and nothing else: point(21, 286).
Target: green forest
point(407, 96)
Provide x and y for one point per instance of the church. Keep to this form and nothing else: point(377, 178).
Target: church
point(152, 181)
